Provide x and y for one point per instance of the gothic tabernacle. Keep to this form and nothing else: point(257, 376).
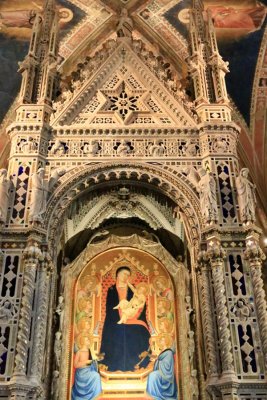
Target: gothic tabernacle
point(130, 251)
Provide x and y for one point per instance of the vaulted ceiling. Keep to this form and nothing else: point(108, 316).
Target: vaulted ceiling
point(163, 25)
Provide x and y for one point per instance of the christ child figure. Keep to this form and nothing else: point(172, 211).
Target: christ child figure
point(129, 309)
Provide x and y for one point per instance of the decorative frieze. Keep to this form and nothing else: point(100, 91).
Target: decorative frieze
point(185, 147)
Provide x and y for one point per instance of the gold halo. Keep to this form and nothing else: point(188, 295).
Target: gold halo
point(82, 335)
point(168, 339)
point(124, 263)
point(145, 285)
point(81, 323)
point(162, 278)
point(82, 302)
point(84, 280)
point(184, 16)
point(68, 18)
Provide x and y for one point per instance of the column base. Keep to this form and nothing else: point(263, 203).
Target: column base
point(23, 389)
point(226, 387)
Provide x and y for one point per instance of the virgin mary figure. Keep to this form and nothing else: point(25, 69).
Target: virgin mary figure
point(123, 343)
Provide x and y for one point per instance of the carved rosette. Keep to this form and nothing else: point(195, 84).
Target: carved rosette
point(254, 255)
point(41, 320)
point(32, 256)
point(206, 310)
point(216, 255)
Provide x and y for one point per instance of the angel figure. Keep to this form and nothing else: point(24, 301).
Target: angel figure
point(125, 25)
point(208, 199)
point(246, 196)
point(4, 194)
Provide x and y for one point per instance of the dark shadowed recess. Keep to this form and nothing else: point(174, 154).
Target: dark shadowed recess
point(242, 56)
point(125, 227)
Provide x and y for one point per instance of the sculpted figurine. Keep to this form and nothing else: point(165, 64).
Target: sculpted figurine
point(29, 145)
point(4, 194)
point(55, 387)
point(242, 310)
point(194, 385)
point(91, 148)
point(38, 196)
point(57, 349)
point(55, 176)
point(60, 312)
point(125, 25)
point(157, 149)
point(246, 196)
point(190, 148)
point(207, 193)
point(219, 145)
point(6, 311)
point(123, 148)
point(58, 147)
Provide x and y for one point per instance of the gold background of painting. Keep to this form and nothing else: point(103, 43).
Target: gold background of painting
point(145, 268)
point(149, 250)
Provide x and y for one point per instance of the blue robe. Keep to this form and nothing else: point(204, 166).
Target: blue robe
point(87, 383)
point(161, 383)
point(122, 343)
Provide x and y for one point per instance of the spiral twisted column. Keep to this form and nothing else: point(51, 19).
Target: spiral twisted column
point(254, 255)
point(207, 312)
point(41, 320)
point(216, 255)
point(32, 256)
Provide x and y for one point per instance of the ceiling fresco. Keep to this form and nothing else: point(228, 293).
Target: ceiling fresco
point(16, 19)
point(239, 24)
point(239, 27)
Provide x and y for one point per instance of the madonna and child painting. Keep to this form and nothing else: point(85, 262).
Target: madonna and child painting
point(124, 325)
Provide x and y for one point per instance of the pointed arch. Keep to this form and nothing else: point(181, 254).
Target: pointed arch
point(90, 177)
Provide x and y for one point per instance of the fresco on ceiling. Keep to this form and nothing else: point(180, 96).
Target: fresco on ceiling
point(16, 19)
point(123, 324)
point(239, 28)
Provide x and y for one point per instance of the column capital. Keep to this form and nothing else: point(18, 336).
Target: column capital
point(216, 253)
point(254, 253)
point(32, 254)
point(46, 261)
point(203, 260)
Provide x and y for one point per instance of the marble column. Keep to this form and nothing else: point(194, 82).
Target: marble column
point(32, 256)
point(42, 301)
point(216, 255)
point(204, 284)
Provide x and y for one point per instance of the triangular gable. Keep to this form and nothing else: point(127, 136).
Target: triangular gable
point(123, 92)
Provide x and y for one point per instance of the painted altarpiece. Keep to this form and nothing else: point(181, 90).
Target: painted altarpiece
point(87, 280)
